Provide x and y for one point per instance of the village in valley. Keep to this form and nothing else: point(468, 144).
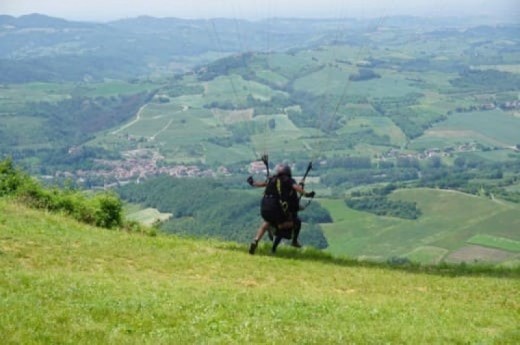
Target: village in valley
point(140, 164)
point(136, 166)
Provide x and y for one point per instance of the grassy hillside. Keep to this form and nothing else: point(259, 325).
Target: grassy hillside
point(444, 231)
point(63, 282)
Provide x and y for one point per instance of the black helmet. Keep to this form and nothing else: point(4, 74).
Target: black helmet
point(284, 169)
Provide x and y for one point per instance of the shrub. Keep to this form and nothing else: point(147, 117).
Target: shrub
point(101, 209)
point(108, 211)
point(10, 178)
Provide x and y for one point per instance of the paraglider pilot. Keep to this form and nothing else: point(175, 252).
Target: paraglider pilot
point(279, 207)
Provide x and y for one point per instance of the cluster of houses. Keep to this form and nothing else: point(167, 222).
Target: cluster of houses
point(140, 164)
point(510, 105)
point(257, 168)
point(431, 152)
point(513, 105)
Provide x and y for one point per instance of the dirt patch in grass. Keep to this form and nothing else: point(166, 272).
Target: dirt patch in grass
point(232, 116)
point(472, 253)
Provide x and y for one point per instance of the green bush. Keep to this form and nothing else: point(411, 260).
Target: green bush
point(10, 178)
point(101, 209)
point(108, 210)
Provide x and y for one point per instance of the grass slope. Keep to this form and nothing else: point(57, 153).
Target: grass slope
point(449, 220)
point(63, 282)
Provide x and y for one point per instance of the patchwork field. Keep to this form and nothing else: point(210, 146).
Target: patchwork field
point(380, 125)
point(449, 221)
point(494, 127)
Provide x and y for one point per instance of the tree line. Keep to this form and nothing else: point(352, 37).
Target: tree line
point(218, 208)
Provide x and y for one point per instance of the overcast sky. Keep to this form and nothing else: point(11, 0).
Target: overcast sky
point(104, 10)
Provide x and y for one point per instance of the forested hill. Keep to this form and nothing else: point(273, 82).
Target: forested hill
point(40, 48)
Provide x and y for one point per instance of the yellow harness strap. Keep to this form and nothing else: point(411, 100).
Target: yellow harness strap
point(285, 205)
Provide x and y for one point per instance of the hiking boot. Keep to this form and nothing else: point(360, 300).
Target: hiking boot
point(296, 244)
point(252, 247)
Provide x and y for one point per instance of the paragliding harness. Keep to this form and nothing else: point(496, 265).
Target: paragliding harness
point(274, 185)
point(274, 188)
point(284, 204)
point(296, 226)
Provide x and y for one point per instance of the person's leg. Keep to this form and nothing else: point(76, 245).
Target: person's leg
point(261, 231)
point(270, 233)
point(296, 232)
point(259, 234)
point(276, 242)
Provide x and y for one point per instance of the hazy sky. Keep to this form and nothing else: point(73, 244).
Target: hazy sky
point(103, 10)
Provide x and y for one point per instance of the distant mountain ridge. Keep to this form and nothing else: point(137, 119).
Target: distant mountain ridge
point(40, 20)
point(37, 47)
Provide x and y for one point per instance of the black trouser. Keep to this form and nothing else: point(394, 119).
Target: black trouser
point(290, 233)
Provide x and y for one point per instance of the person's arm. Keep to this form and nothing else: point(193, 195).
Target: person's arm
point(299, 189)
point(254, 183)
point(259, 184)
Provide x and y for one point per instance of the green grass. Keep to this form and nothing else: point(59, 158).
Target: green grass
point(381, 126)
point(284, 136)
point(215, 154)
point(24, 131)
point(335, 81)
point(427, 254)
point(178, 130)
point(63, 282)
point(496, 242)
point(490, 127)
point(289, 66)
point(448, 220)
point(514, 188)
point(494, 155)
point(329, 80)
point(235, 89)
point(14, 96)
point(148, 216)
point(272, 77)
point(115, 87)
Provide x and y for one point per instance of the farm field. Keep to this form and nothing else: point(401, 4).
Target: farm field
point(487, 127)
point(450, 220)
